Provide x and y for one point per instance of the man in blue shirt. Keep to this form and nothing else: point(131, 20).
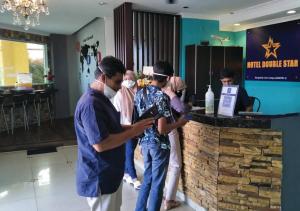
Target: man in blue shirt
point(101, 138)
point(155, 142)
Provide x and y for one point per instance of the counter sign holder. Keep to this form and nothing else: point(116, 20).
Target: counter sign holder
point(228, 100)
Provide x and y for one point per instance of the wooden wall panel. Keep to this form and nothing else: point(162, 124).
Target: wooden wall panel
point(146, 39)
point(151, 39)
point(171, 40)
point(157, 39)
point(143, 38)
point(135, 42)
point(123, 25)
point(176, 43)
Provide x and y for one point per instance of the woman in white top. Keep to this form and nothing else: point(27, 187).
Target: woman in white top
point(124, 102)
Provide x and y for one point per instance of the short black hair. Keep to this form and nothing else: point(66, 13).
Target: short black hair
point(227, 73)
point(110, 66)
point(164, 68)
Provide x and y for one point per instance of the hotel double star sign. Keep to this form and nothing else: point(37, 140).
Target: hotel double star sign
point(271, 48)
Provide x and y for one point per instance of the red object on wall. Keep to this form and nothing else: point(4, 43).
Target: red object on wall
point(50, 77)
point(77, 46)
point(99, 57)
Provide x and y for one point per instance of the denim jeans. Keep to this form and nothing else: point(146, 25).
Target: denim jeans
point(156, 162)
point(129, 158)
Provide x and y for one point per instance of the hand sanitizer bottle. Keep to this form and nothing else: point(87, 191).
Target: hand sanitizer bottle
point(209, 101)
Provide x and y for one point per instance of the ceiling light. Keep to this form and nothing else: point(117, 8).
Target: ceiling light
point(291, 12)
point(25, 12)
point(101, 3)
point(171, 1)
point(3, 194)
point(237, 24)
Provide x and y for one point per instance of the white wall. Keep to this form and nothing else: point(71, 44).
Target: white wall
point(101, 30)
point(90, 35)
point(72, 58)
point(109, 36)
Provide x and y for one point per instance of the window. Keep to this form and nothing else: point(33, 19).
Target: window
point(21, 57)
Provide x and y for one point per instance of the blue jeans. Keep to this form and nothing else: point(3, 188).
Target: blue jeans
point(156, 162)
point(129, 158)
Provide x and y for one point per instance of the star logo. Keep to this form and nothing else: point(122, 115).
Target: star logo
point(271, 48)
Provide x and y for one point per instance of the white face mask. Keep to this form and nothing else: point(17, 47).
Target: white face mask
point(108, 92)
point(128, 83)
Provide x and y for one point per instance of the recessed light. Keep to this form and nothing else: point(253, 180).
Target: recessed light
point(185, 7)
point(291, 12)
point(101, 3)
point(237, 24)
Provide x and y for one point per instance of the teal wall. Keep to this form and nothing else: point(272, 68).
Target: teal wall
point(276, 97)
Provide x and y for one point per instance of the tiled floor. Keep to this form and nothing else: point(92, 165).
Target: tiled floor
point(46, 182)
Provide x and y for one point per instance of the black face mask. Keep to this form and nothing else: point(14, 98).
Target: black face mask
point(179, 94)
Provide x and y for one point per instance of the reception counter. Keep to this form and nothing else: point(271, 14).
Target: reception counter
point(241, 163)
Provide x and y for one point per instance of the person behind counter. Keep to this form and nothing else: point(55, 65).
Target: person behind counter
point(243, 102)
point(101, 138)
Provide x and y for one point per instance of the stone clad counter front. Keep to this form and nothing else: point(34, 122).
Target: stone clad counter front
point(233, 164)
point(232, 168)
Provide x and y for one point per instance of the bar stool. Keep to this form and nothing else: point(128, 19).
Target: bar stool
point(32, 102)
point(2, 101)
point(44, 98)
point(18, 102)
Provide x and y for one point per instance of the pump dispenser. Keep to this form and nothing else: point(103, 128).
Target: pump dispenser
point(209, 101)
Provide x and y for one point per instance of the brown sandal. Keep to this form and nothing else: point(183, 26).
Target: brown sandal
point(171, 204)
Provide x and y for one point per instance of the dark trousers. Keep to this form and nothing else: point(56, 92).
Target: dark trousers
point(129, 158)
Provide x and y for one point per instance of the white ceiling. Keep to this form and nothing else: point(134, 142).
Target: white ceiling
point(68, 16)
point(260, 15)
